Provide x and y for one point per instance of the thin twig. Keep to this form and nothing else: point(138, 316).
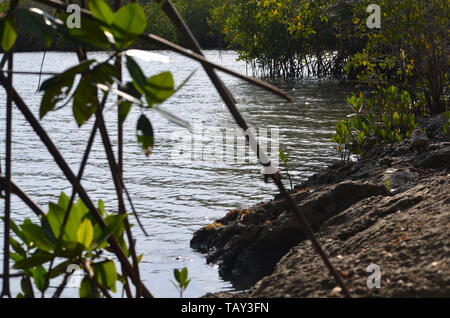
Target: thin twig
point(118, 185)
point(7, 226)
point(23, 196)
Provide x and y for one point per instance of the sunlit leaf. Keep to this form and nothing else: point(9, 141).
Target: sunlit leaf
point(85, 233)
point(101, 11)
point(158, 88)
point(129, 22)
point(105, 274)
point(8, 33)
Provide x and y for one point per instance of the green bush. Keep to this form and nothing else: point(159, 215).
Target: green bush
point(387, 117)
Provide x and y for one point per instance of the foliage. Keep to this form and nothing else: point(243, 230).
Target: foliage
point(447, 122)
point(79, 241)
point(388, 116)
point(284, 156)
point(181, 276)
point(287, 38)
point(410, 51)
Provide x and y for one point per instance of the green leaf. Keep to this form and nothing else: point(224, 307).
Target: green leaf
point(85, 100)
point(36, 235)
point(8, 34)
point(158, 88)
point(59, 269)
point(71, 249)
point(183, 275)
point(85, 288)
point(27, 288)
point(39, 274)
point(103, 73)
point(176, 274)
point(85, 233)
point(63, 200)
point(186, 284)
point(101, 11)
point(35, 260)
point(144, 133)
point(105, 274)
point(17, 230)
point(101, 207)
point(17, 247)
point(81, 210)
point(55, 218)
point(129, 22)
point(124, 110)
point(58, 87)
point(139, 79)
point(47, 229)
point(90, 33)
point(114, 225)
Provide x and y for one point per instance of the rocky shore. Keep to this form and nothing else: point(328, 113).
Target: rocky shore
point(391, 209)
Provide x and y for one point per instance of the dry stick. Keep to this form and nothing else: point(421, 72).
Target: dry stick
point(31, 73)
point(5, 289)
point(61, 287)
point(87, 267)
point(23, 196)
point(90, 274)
point(118, 64)
point(118, 185)
point(165, 44)
point(299, 216)
point(120, 164)
point(72, 179)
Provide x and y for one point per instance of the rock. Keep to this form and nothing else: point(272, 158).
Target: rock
point(406, 235)
point(419, 140)
point(252, 241)
point(439, 158)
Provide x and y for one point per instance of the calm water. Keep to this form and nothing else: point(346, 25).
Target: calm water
point(173, 199)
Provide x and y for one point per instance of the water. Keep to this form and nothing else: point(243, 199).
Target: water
point(173, 199)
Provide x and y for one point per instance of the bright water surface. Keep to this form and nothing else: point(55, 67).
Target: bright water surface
point(173, 199)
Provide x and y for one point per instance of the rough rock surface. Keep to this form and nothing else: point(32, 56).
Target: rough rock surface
point(391, 208)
